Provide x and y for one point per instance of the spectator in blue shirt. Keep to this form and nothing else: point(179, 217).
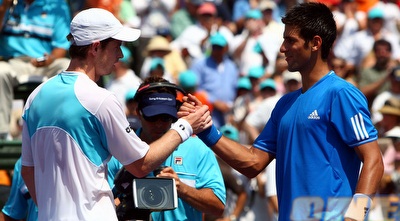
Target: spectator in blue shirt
point(218, 76)
point(33, 46)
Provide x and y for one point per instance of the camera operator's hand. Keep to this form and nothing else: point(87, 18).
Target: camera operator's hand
point(202, 199)
point(181, 187)
point(168, 172)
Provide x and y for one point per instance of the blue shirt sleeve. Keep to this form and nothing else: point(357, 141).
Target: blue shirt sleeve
point(19, 204)
point(351, 117)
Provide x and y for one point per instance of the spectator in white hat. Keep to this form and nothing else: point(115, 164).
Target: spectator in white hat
point(390, 128)
point(292, 80)
point(390, 115)
point(394, 91)
point(272, 26)
point(160, 47)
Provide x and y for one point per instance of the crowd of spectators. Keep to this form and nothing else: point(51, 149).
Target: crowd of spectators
point(227, 51)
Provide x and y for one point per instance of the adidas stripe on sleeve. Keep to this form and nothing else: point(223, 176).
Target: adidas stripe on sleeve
point(351, 117)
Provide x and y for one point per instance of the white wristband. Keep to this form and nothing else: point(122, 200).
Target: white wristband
point(359, 207)
point(183, 128)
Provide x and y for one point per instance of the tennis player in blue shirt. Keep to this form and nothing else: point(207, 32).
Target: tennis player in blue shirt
point(319, 134)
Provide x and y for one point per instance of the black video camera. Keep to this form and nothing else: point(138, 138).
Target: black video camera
point(141, 196)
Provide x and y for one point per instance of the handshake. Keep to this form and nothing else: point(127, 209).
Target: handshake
point(195, 118)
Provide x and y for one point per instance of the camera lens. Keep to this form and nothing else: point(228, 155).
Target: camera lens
point(154, 193)
point(153, 196)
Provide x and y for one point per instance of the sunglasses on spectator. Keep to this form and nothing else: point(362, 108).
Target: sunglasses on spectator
point(160, 117)
point(217, 47)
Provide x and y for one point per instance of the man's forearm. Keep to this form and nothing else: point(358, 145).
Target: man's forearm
point(368, 182)
point(370, 176)
point(203, 200)
point(248, 161)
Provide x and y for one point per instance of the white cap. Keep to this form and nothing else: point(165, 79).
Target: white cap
point(193, 49)
point(267, 4)
point(97, 24)
point(394, 132)
point(287, 76)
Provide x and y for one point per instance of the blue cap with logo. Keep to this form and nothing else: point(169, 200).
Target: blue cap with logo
point(153, 104)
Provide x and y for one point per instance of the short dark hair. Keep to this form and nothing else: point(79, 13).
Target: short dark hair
point(76, 51)
point(382, 42)
point(313, 19)
point(154, 79)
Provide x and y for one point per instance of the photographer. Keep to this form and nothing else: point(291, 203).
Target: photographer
point(193, 165)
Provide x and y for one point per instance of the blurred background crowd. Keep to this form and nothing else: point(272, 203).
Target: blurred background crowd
point(226, 52)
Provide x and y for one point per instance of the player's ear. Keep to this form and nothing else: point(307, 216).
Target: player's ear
point(316, 43)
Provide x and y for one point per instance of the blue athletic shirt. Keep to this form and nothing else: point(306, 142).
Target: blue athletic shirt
point(35, 30)
point(312, 136)
point(71, 128)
